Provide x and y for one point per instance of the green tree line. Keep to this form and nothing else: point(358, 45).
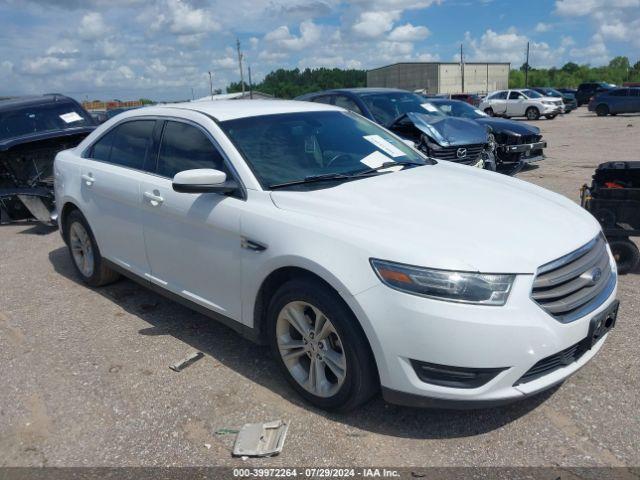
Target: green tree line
point(283, 83)
point(618, 71)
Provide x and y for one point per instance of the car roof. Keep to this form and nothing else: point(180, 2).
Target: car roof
point(13, 103)
point(223, 110)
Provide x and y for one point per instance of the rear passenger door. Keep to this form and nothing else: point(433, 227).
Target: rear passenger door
point(111, 174)
point(193, 239)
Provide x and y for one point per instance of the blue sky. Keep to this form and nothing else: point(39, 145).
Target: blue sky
point(161, 49)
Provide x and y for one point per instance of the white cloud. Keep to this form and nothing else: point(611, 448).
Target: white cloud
point(375, 24)
point(587, 7)
point(180, 18)
point(409, 33)
point(310, 34)
point(596, 52)
point(46, 65)
point(92, 26)
point(542, 27)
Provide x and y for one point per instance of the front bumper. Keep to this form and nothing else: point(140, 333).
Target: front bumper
point(514, 337)
point(552, 110)
point(527, 153)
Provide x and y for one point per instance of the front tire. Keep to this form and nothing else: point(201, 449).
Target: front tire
point(532, 113)
point(85, 253)
point(489, 111)
point(319, 346)
point(550, 117)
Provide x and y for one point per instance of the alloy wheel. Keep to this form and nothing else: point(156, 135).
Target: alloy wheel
point(81, 249)
point(311, 348)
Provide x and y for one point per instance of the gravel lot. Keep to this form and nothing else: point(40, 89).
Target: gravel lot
point(85, 377)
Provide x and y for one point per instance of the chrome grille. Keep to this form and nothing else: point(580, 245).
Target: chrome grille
point(576, 284)
point(451, 153)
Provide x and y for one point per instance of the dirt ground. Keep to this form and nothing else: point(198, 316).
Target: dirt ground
point(85, 378)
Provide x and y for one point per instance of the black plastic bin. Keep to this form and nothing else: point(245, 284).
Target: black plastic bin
point(614, 199)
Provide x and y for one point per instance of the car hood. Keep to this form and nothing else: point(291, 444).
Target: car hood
point(449, 131)
point(509, 127)
point(448, 216)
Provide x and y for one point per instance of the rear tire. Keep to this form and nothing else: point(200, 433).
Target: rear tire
point(626, 254)
point(333, 346)
point(85, 253)
point(602, 110)
point(532, 113)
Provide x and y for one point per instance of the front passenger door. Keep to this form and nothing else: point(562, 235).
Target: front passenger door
point(515, 104)
point(192, 239)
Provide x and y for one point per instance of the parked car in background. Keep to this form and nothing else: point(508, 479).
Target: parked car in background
point(99, 117)
point(521, 103)
point(362, 264)
point(589, 89)
point(470, 98)
point(618, 100)
point(32, 130)
point(569, 99)
point(572, 91)
point(513, 144)
point(408, 115)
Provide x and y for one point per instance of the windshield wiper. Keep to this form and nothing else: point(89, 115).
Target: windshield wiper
point(313, 179)
point(371, 170)
point(327, 177)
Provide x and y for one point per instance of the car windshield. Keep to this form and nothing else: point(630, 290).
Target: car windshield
point(531, 93)
point(552, 92)
point(455, 108)
point(42, 118)
point(291, 147)
point(388, 107)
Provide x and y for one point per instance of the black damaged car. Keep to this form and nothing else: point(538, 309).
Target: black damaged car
point(410, 116)
point(513, 144)
point(32, 130)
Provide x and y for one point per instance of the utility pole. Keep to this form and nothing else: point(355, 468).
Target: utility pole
point(526, 68)
point(240, 64)
point(250, 84)
point(462, 67)
point(210, 85)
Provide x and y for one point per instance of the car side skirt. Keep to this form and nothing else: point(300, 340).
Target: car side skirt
point(247, 332)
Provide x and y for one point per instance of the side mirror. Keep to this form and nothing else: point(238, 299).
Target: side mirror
point(203, 180)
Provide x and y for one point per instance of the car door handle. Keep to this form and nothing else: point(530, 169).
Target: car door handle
point(153, 199)
point(88, 179)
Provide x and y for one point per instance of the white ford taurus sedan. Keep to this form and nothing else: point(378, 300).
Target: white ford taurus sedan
point(363, 264)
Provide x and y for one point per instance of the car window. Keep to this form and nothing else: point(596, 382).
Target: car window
point(515, 96)
point(101, 150)
point(322, 99)
point(345, 102)
point(622, 92)
point(186, 147)
point(292, 146)
point(388, 107)
point(131, 144)
point(499, 95)
point(43, 118)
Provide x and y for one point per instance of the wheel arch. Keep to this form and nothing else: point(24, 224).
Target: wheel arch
point(278, 277)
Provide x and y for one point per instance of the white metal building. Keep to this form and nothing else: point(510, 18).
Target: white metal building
point(442, 77)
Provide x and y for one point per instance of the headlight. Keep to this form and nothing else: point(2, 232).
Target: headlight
point(463, 287)
point(546, 102)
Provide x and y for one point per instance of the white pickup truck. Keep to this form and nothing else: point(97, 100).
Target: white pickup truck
point(521, 103)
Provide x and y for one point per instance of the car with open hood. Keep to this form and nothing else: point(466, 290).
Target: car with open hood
point(407, 114)
point(513, 144)
point(364, 265)
point(32, 130)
